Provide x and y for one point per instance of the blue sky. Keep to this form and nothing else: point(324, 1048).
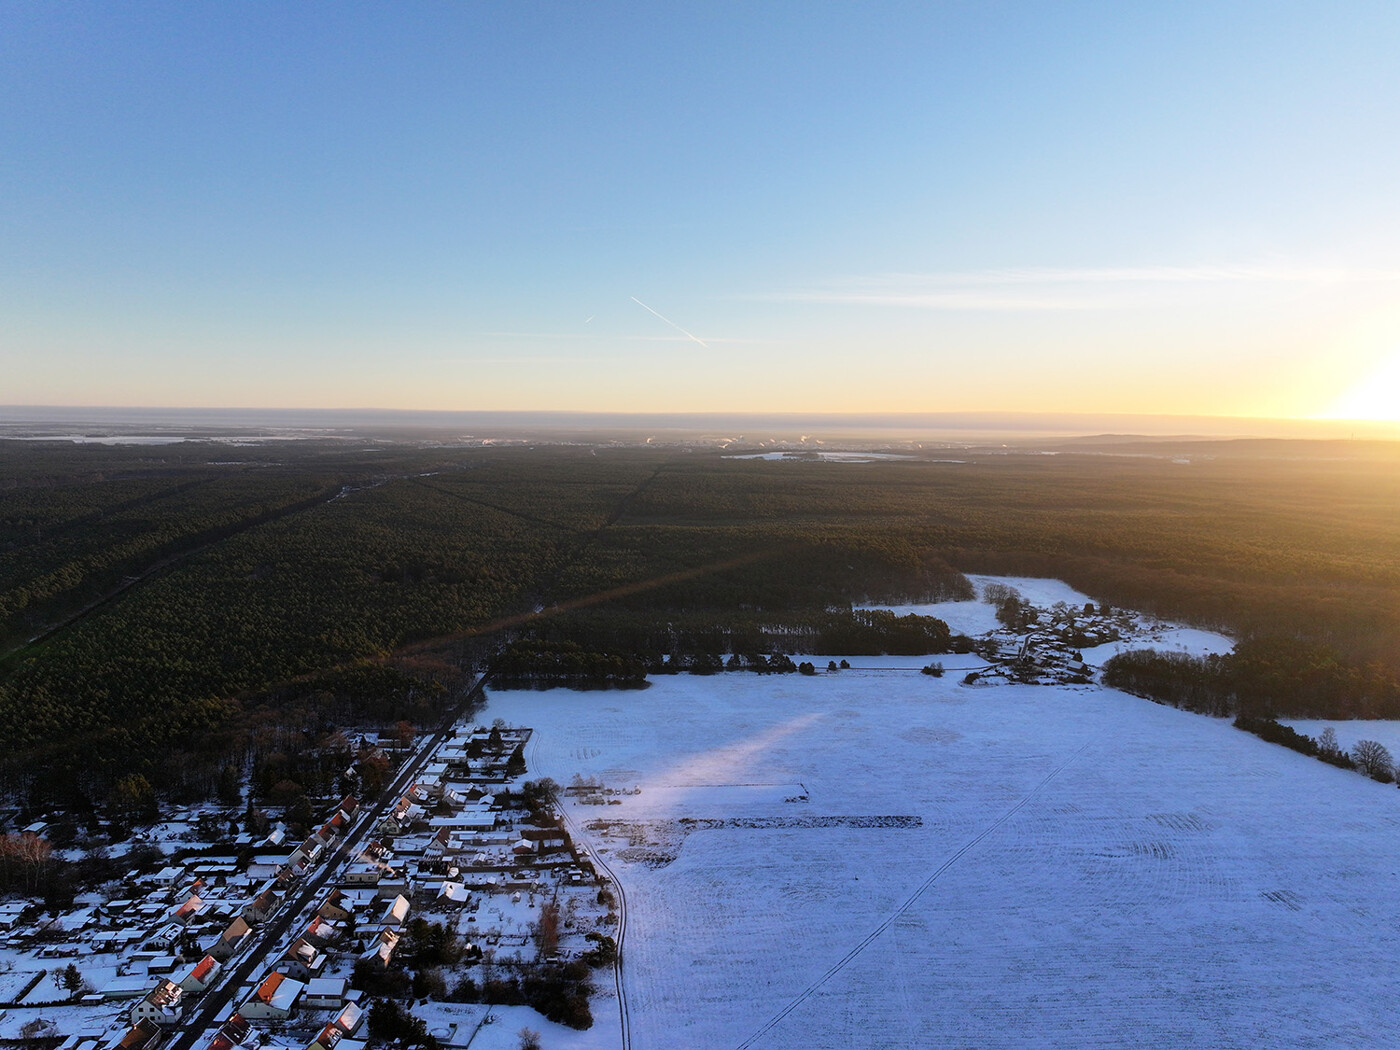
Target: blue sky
point(1183, 208)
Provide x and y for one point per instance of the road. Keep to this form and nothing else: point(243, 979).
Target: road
point(269, 936)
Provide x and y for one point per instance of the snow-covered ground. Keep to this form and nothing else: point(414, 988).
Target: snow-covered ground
point(498, 1027)
point(1004, 866)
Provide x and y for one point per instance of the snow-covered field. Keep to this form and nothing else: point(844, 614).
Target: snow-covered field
point(1003, 866)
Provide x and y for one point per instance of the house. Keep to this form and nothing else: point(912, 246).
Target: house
point(262, 907)
point(340, 904)
point(382, 950)
point(302, 961)
point(451, 799)
point(397, 912)
point(201, 975)
point(162, 1005)
point(454, 892)
point(362, 874)
point(168, 876)
point(189, 911)
point(276, 998)
point(391, 824)
point(143, 1035)
point(337, 907)
point(546, 840)
point(349, 805)
point(324, 993)
point(306, 854)
point(231, 940)
point(10, 912)
point(349, 1019)
point(336, 826)
point(329, 1038)
point(440, 844)
point(344, 1026)
point(394, 883)
point(376, 850)
point(320, 932)
point(405, 814)
point(167, 937)
point(231, 1033)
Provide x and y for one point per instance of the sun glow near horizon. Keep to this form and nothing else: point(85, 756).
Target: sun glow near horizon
point(1375, 397)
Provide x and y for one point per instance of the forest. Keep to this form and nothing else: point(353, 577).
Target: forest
point(168, 612)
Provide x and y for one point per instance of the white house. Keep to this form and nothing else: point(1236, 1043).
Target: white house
point(161, 1006)
point(276, 998)
point(324, 993)
point(201, 975)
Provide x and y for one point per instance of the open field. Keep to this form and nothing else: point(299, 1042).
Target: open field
point(975, 866)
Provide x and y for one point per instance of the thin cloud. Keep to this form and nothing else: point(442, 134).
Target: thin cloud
point(596, 337)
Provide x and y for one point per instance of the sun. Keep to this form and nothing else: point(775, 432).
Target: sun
point(1376, 397)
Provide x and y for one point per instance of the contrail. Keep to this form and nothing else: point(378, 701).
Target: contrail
point(678, 328)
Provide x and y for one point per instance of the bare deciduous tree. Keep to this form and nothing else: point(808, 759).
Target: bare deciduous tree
point(1374, 759)
point(547, 929)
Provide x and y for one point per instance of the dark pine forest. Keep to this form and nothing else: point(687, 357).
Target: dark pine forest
point(182, 611)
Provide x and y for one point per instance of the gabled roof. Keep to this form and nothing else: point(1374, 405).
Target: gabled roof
point(349, 1018)
point(205, 968)
point(397, 910)
point(301, 951)
point(279, 991)
point(237, 930)
point(268, 989)
point(231, 1034)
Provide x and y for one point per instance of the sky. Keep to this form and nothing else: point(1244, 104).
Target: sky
point(1182, 208)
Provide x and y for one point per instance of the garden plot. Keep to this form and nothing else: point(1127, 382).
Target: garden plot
point(1069, 866)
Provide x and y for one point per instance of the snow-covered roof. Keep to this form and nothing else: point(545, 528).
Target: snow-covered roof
point(454, 891)
point(279, 991)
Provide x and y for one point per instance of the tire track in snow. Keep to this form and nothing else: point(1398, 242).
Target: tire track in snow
point(909, 902)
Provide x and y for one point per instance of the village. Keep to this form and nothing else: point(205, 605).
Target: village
point(460, 879)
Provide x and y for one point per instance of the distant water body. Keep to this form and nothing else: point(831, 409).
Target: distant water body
point(165, 425)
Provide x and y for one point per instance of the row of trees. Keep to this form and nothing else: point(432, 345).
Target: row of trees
point(1261, 678)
